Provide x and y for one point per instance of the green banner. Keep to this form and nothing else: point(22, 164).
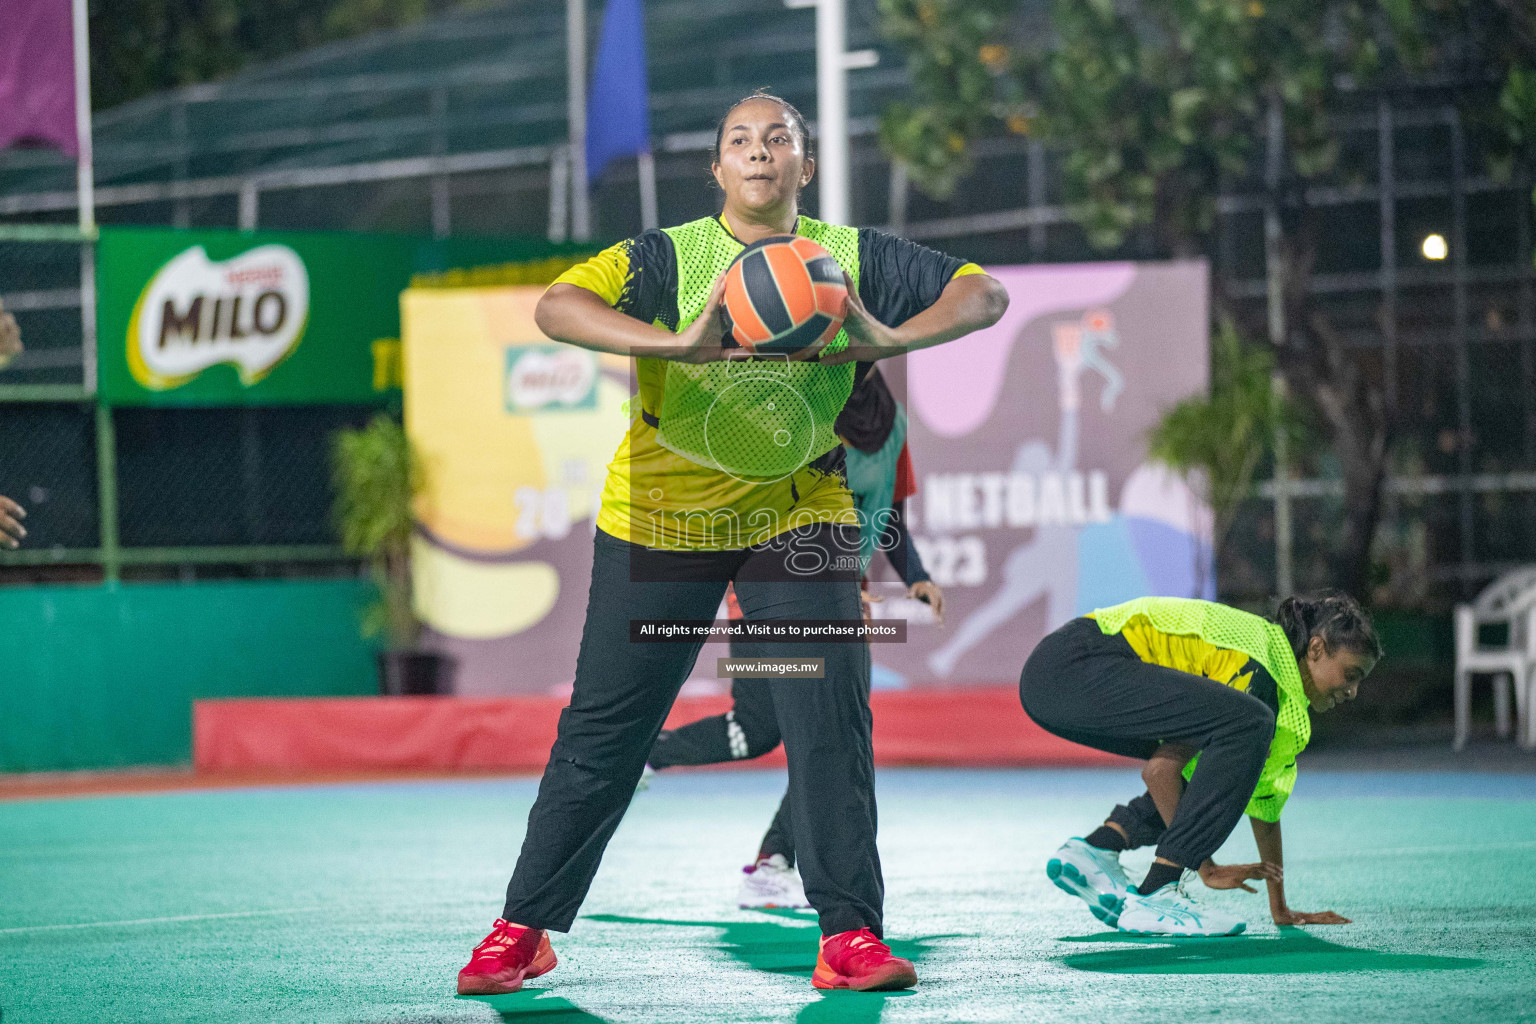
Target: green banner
point(232, 318)
point(265, 317)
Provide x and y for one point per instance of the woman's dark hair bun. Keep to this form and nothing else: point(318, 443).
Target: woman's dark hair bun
point(1332, 615)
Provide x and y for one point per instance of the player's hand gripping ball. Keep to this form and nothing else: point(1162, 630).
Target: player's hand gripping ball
point(785, 295)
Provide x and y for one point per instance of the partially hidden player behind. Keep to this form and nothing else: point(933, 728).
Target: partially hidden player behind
point(667, 543)
point(873, 430)
point(1215, 700)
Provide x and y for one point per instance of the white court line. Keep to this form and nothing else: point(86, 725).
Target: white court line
point(158, 920)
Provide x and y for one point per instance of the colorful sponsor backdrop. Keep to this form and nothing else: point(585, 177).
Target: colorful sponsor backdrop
point(1036, 500)
point(514, 433)
point(218, 318)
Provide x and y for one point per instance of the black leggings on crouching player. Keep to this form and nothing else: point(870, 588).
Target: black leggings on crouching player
point(750, 729)
point(1092, 689)
point(624, 689)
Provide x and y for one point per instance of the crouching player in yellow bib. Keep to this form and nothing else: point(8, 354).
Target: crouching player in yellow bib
point(1215, 700)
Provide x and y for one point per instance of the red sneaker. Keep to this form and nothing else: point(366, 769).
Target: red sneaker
point(506, 957)
point(859, 961)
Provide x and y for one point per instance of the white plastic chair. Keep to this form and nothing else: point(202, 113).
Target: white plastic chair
point(1510, 600)
point(1525, 690)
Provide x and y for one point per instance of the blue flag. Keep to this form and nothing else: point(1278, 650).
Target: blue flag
point(618, 104)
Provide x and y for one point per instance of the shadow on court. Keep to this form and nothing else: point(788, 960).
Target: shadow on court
point(536, 1006)
point(848, 1007)
point(1293, 951)
point(786, 944)
point(783, 944)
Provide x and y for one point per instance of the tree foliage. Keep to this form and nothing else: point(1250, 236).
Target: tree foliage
point(1155, 108)
point(1151, 105)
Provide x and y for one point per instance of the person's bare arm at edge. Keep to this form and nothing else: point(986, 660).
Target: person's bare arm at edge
point(1164, 776)
point(11, 530)
point(968, 303)
point(577, 316)
point(1266, 836)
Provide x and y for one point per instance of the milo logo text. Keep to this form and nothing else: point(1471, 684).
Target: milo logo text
point(249, 311)
point(542, 378)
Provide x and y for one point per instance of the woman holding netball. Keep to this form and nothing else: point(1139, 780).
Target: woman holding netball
point(731, 472)
point(1215, 700)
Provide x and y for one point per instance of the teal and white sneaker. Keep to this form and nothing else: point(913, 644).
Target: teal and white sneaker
point(1172, 911)
point(1093, 876)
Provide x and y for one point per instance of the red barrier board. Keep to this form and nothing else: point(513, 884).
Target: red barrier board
point(982, 727)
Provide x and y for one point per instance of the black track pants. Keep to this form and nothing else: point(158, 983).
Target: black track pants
point(749, 729)
point(1092, 689)
point(1142, 823)
point(624, 690)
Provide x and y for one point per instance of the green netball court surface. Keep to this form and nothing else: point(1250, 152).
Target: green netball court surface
point(359, 903)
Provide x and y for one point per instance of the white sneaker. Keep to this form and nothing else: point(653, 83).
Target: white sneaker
point(771, 884)
point(1172, 911)
point(1093, 876)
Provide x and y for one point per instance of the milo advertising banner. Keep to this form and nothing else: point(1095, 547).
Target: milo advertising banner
point(1036, 500)
point(232, 318)
point(213, 318)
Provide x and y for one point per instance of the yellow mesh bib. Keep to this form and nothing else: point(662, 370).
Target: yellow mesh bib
point(756, 419)
point(1261, 640)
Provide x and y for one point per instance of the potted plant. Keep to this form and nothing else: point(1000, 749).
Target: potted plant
point(377, 478)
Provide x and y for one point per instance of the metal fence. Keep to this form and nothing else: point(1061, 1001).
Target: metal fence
point(1455, 342)
point(143, 492)
point(47, 277)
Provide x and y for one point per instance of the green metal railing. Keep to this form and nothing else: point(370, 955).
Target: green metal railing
point(231, 554)
point(108, 551)
point(483, 262)
point(110, 554)
point(44, 393)
point(46, 233)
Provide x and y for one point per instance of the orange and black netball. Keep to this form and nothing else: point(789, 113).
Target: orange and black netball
point(784, 294)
